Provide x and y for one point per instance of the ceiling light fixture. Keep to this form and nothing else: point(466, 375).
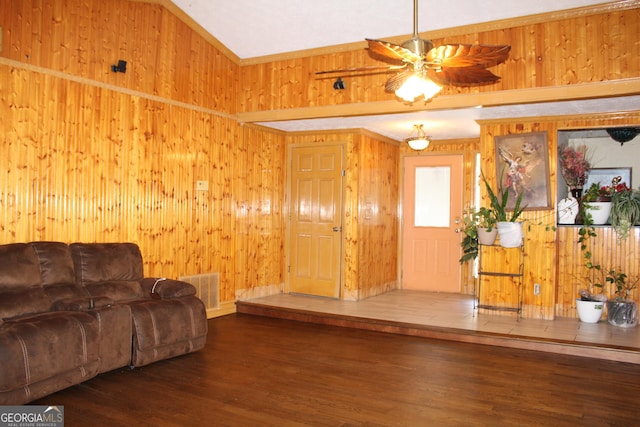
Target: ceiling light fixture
point(420, 141)
point(623, 135)
point(416, 86)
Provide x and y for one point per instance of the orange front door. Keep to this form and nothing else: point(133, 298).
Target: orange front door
point(316, 220)
point(432, 210)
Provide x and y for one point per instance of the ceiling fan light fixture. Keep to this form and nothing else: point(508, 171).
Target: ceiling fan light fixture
point(416, 86)
point(420, 141)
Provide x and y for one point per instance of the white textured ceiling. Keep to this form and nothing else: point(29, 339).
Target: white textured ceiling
point(254, 28)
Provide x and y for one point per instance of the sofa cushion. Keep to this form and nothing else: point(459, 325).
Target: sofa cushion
point(116, 290)
point(37, 348)
point(23, 302)
point(19, 267)
point(106, 262)
point(57, 271)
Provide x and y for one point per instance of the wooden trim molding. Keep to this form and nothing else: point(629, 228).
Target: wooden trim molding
point(114, 88)
point(488, 99)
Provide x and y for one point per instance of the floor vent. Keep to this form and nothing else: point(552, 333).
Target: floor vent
point(206, 285)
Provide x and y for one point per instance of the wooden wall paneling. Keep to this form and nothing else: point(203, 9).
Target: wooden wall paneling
point(258, 191)
point(540, 265)
point(553, 258)
point(378, 202)
point(577, 49)
point(84, 38)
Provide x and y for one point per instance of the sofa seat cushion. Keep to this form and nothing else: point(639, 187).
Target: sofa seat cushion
point(36, 348)
point(167, 328)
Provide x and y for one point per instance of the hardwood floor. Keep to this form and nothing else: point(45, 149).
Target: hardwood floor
point(261, 371)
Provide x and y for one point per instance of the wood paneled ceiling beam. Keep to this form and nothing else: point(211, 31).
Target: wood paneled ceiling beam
point(608, 89)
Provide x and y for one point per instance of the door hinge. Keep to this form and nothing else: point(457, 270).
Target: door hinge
point(344, 172)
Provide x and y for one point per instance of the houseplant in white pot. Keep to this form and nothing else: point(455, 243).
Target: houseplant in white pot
point(509, 229)
point(479, 229)
point(591, 301)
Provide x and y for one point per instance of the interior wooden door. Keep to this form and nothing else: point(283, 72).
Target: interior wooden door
point(316, 220)
point(432, 212)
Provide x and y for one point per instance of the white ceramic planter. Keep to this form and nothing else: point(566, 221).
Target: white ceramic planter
point(599, 212)
point(510, 234)
point(589, 311)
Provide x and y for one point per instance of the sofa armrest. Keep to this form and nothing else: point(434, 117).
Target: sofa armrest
point(167, 288)
point(81, 304)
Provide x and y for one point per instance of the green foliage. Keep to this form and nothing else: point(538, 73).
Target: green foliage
point(622, 287)
point(499, 203)
point(482, 218)
point(625, 211)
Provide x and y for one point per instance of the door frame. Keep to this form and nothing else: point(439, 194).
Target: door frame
point(287, 211)
point(469, 159)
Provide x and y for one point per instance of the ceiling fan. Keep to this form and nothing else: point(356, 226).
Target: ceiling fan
point(422, 67)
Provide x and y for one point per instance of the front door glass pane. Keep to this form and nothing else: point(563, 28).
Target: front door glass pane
point(432, 197)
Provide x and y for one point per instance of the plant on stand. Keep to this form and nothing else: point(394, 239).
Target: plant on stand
point(509, 230)
point(475, 224)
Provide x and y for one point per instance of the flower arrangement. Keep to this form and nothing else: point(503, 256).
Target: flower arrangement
point(574, 165)
point(596, 193)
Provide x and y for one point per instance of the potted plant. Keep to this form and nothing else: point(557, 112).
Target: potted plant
point(592, 299)
point(596, 202)
point(621, 311)
point(509, 230)
point(479, 228)
point(625, 210)
point(574, 167)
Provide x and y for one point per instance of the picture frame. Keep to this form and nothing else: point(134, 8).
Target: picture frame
point(522, 165)
point(604, 176)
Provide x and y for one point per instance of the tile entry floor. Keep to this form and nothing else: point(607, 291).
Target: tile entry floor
point(456, 311)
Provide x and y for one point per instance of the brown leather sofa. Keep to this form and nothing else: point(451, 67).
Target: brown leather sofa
point(71, 312)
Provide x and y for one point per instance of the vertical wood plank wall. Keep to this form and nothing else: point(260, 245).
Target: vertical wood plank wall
point(588, 48)
point(92, 155)
point(552, 257)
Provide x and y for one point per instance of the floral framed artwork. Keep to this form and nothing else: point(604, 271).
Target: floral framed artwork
point(522, 166)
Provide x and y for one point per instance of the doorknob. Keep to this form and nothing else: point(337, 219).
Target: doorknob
point(336, 229)
point(457, 230)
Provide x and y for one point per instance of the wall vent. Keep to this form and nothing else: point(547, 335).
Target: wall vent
point(207, 288)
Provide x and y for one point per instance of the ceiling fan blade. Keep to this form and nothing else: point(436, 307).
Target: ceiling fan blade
point(396, 81)
point(387, 51)
point(462, 76)
point(385, 68)
point(466, 55)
